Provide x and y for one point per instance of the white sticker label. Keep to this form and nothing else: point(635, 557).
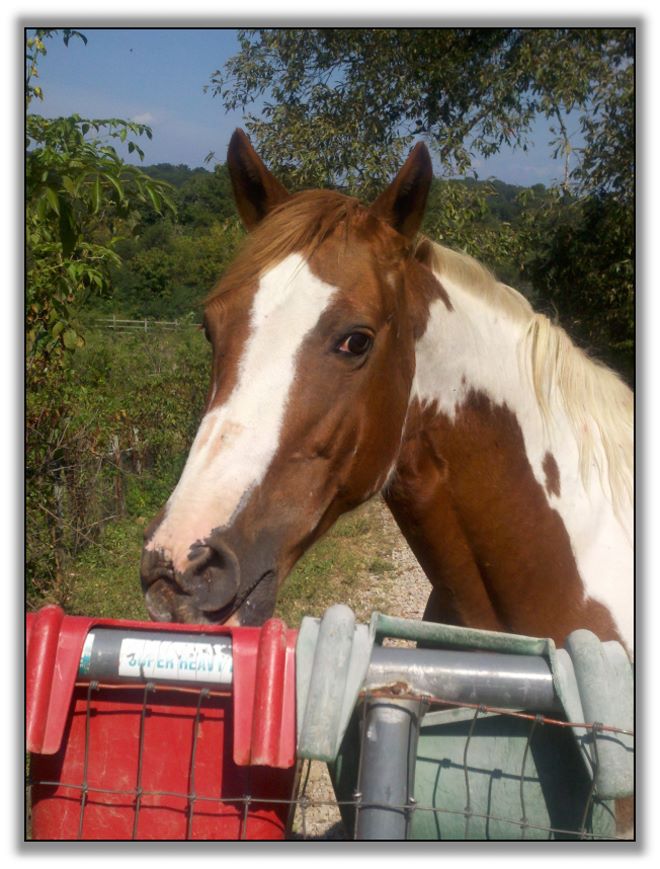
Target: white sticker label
point(86, 655)
point(169, 659)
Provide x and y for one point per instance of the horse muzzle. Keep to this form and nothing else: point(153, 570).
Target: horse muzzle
point(209, 591)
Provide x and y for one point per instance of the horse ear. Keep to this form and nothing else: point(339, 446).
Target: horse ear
point(256, 190)
point(402, 205)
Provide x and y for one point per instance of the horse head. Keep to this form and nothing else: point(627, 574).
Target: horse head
point(313, 330)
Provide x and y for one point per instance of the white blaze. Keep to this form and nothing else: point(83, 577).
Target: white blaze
point(235, 443)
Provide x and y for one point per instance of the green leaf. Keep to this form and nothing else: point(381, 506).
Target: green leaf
point(114, 182)
point(53, 199)
point(70, 339)
point(155, 201)
point(96, 195)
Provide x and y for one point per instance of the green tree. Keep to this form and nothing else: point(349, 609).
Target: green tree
point(167, 272)
point(340, 106)
point(206, 198)
point(80, 196)
point(578, 253)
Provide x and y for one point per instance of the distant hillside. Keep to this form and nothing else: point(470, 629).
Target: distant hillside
point(503, 203)
point(177, 175)
point(212, 186)
point(202, 196)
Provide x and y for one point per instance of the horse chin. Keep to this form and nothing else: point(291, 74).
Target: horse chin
point(165, 603)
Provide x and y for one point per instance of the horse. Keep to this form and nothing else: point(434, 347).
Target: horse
point(354, 356)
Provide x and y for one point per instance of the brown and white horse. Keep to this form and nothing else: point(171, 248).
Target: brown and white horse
point(352, 357)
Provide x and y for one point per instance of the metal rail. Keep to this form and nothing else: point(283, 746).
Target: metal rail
point(488, 678)
point(115, 655)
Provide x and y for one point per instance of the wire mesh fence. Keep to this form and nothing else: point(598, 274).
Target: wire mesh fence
point(116, 777)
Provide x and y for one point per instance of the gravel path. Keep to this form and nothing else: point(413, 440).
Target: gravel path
point(406, 590)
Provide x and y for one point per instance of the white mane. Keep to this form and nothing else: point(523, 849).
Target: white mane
point(597, 402)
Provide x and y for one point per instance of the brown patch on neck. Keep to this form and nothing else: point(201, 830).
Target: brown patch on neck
point(552, 477)
point(499, 557)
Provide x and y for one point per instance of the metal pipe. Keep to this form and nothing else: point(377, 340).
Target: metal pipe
point(118, 655)
point(491, 678)
point(488, 678)
point(387, 768)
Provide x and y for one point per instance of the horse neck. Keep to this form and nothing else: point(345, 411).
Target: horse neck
point(488, 488)
point(470, 346)
point(491, 345)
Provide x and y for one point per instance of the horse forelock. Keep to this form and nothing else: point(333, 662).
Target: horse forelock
point(597, 402)
point(300, 225)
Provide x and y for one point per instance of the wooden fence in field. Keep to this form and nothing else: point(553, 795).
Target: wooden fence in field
point(117, 324)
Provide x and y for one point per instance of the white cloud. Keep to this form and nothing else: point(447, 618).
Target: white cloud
point(144, 118)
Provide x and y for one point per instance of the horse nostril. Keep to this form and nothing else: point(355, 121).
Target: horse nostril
point(212, 578)
point(154, 566)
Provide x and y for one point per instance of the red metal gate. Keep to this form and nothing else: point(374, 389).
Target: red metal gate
point(156, 758)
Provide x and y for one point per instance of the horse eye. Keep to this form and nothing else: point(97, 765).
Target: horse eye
point(356, 344)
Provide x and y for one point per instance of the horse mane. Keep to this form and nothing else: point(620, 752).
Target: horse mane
point(597, 402)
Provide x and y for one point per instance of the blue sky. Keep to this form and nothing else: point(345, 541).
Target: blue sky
point(157, 76)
